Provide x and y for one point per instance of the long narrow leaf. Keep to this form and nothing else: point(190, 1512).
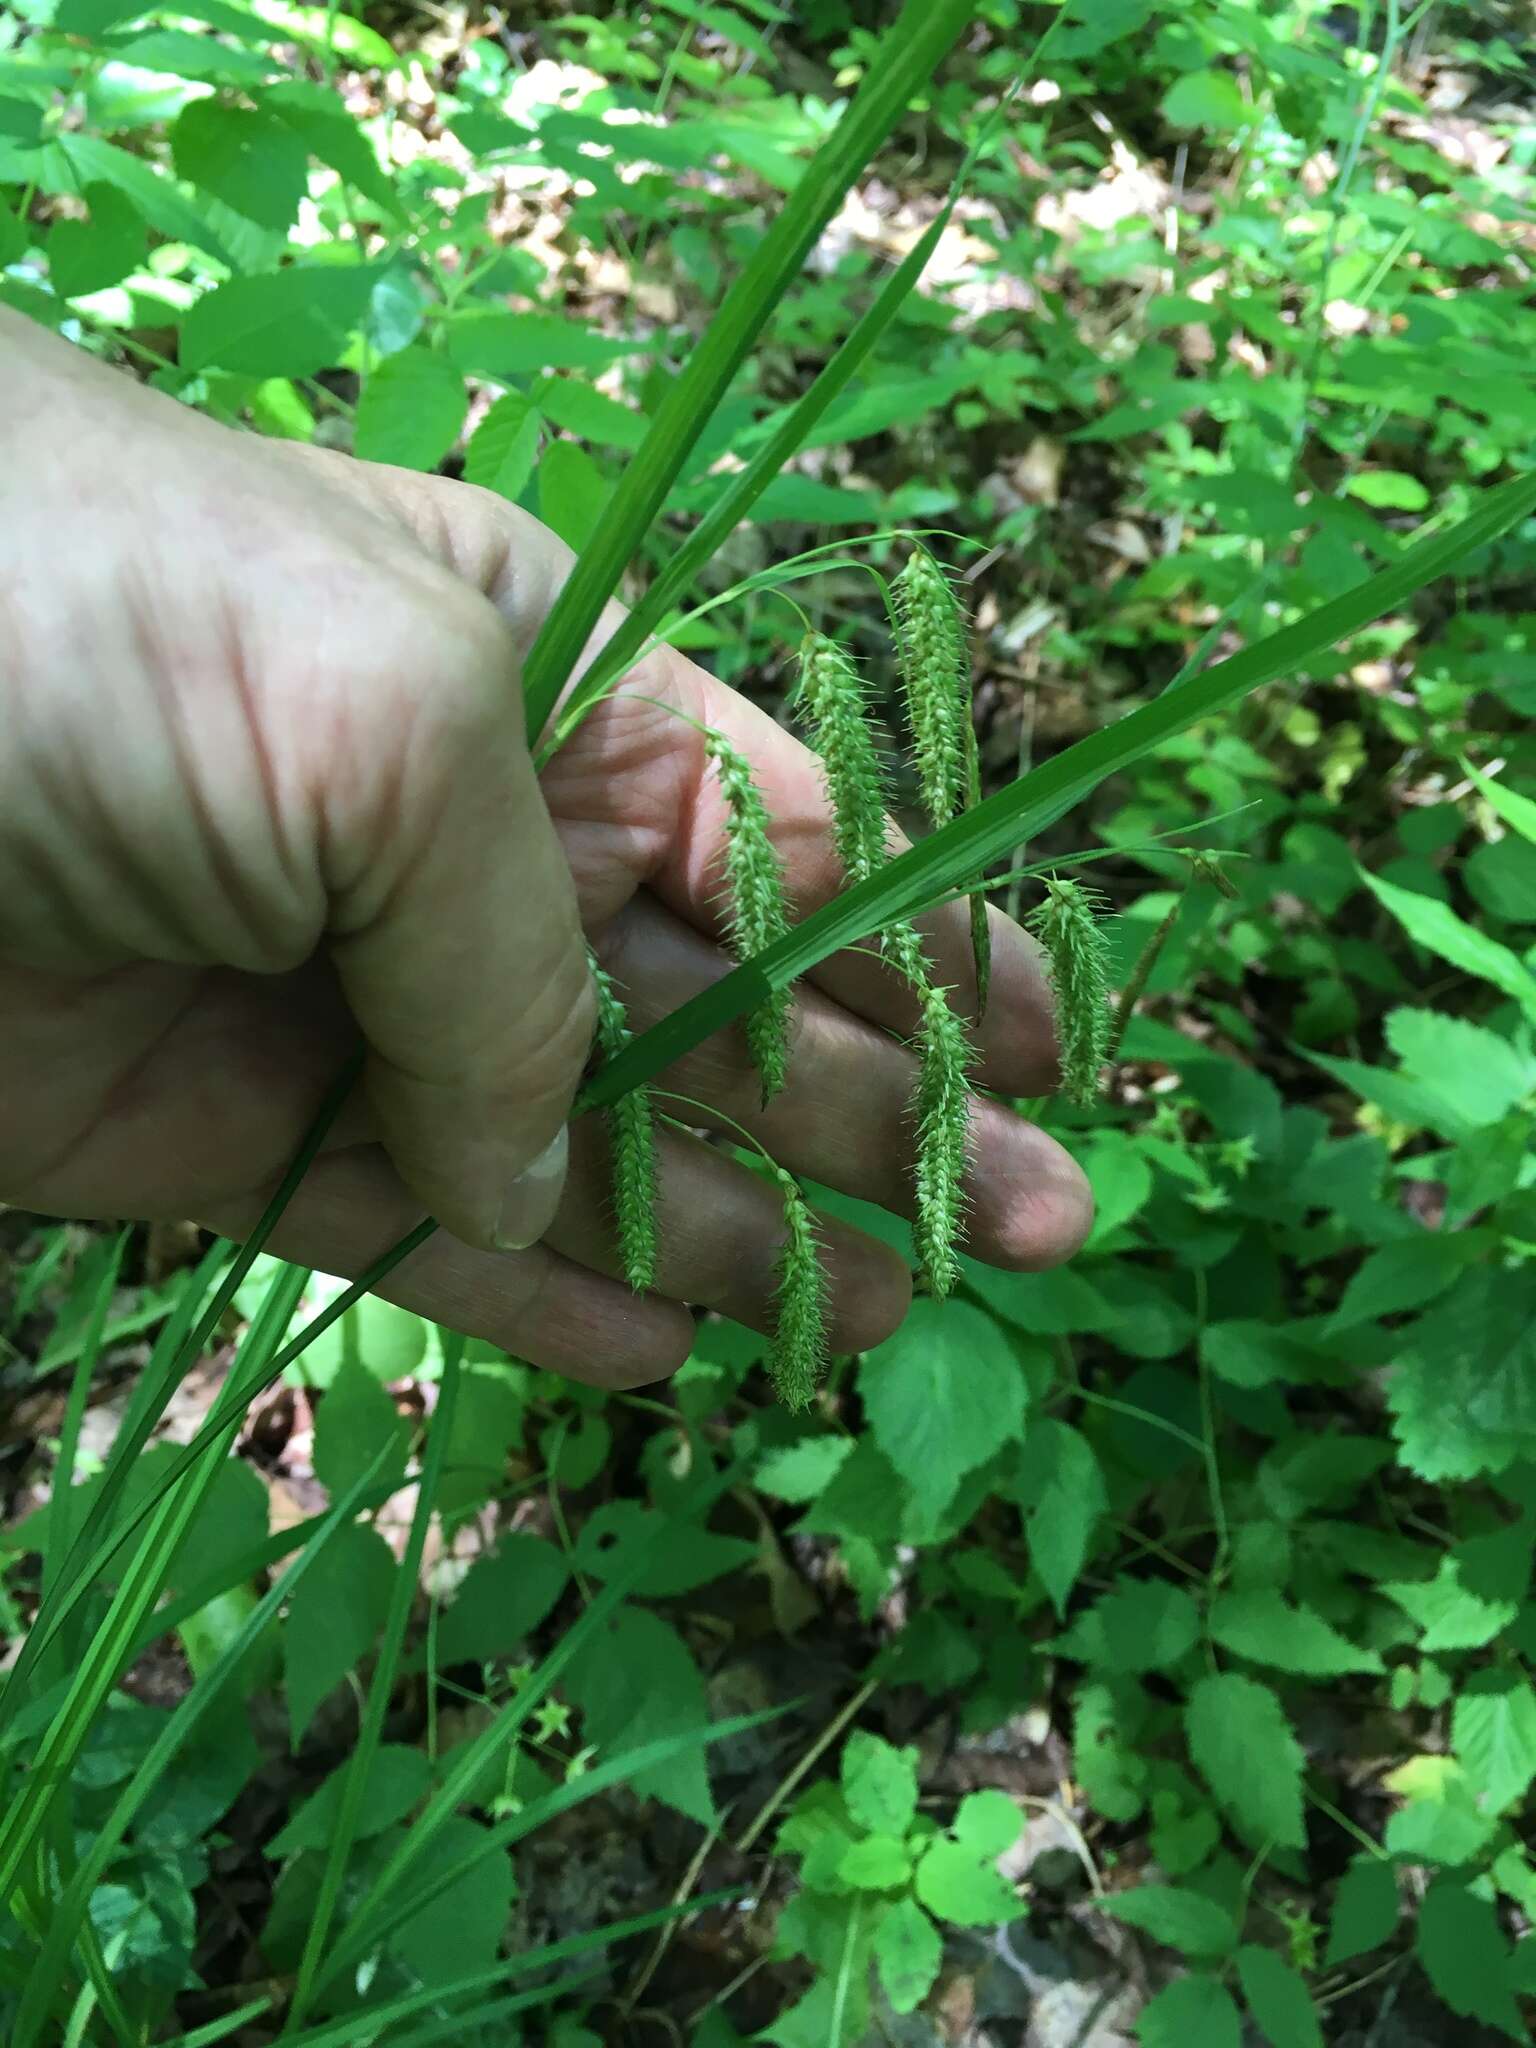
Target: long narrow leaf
point(70, 1911)
point(963, 849)
point(106, 1656)
point(471, 1759)
point(93, 1547)
point(386, 1664)
point(906, 61)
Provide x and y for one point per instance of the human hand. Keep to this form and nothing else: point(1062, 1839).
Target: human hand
point(266, 791)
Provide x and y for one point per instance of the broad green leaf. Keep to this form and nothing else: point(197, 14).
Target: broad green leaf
point(503, 345)
point(1465, 1956)
point(1463, 1392)
point(285, 323)
point(319, 118)
point(1436, 927)
point(1060, 1487)
point(875, 1863)
point(1242, 1745)
point(1178, 1918)
point(411, 410)
point(397, 1778)
point(157, 198)
point(1121, 1180)
point(879, 1783)
point(1256, 1354)
point(908, 1952)
point(802, 1471)
point(504, 447)
point(957, 1885)
point(1472, 1069)
point(325, 28)
point(590, 414)
point(988, 1822)
point(388, 1340)
point(87, 255)
point(487, 1423)
point(245, 157)
point(1365, 1910)
point(504, 1597)
point(1444, 1826)
point(1517, 811)
point(334, 1619)
point(1105, 1759)
point(1266, 1628)
point(942, 1396)
point(1493, 1732)
point(635, 1683)
point(1191, 2010)
point(614, 1537)
point(358, 1422)
point(1388, 490)
point(1142, 1625)
point(1278, 1999)
point(1207, 99)
point(1407, 1274)
point(1502, 876)
point(572, 493)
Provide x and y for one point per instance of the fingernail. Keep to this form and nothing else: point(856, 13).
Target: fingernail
point(533, 1198)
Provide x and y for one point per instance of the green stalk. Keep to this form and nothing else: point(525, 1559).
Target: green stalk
point(907, 59)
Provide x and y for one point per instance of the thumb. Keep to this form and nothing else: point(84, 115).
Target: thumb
point(454, 926)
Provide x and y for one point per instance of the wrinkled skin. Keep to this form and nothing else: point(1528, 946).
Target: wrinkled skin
point(264, 791)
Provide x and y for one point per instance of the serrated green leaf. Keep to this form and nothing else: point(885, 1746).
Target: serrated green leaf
point(572, 493)
point(1408, 1274)
point(1493, 1732)
point(333, 1619)
point(1191, 2010)
point(1266, 1628)
point(87, 255)
point(357, 1421)
point(1463, 1394)
point(676, 1560)
point(397, 1778)
point(1465, 1956)
point(800, 1472)
point(1278, 1999)
point(157, 198)
point(245, 157)
point(1365, 1910)
point(281, 323)
point(908, 1952)
point(504, 447)
point(987, 1822)
point(1436, 927)
point(875, 1863)
point(503, 1598)
point(956, 1886)
point(635, 1682)
point(411, 410)
point(1105, 1760)
point(1142, 1625)
point(1177, 1917)
point(879, 1783)
point(591, 414)
point(1242, 1745)
point(942, 1395)
point(1478, 1074)
point(1061, 1489)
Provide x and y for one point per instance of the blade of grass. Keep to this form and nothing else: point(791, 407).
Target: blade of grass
point(963, 849)
point(70, 1912)
point(381, 1687)
point(905, 62)
point(616, 1771)
point(243, 1389)
point(105, 1656)
point(177, 1359)
point(472, 1757)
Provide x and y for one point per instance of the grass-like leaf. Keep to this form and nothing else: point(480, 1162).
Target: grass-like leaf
point(905, 62)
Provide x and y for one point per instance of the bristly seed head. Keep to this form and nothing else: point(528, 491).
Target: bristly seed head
point(834, 699)
point(1068, 925)
point(755, 908)
point(943, 1107)
point(933, 656)
point(632, 1145)
point(798, 1356)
